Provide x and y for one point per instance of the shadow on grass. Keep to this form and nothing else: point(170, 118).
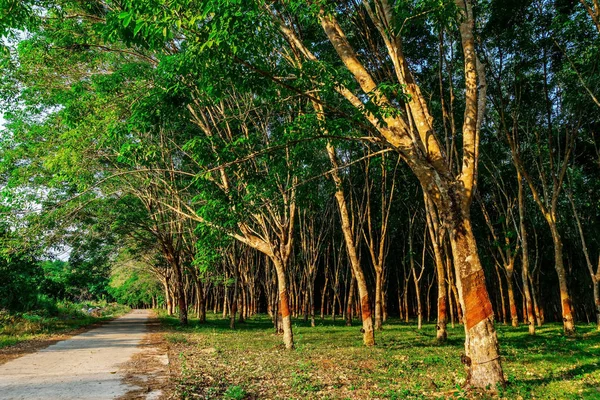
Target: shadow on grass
point(257, 323)
point(571, 373)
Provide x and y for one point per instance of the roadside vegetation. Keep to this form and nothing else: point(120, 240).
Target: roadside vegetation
point(211, 361)
point(40, 298)
point(61, 317)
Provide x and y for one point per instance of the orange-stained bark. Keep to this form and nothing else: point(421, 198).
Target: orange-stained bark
point(442, 316)
point(475, 296)
point(284, 307)
point(565, 298)
point(284, 304)
point(365, 308)
point(482, 356)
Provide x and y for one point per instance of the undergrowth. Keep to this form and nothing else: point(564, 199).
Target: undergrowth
point(62, 317)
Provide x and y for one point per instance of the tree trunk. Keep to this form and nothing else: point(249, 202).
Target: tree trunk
point(418, 297)
point(482, 358)
point(180, 293)
point(428, 302)
point(399, 294)
point(168, 302)
point(502, 307)
point(434, 232)
point(405, 299)
point(422, 152)
point(442, 315)
point(225, 302)
point(384, 302)
point(449, 289)
point(367, 320)
point(536, 308)
point(311, 298)
point(565, 298)
point(215, 300)
point(201, 300)
point(596, 284)
point(233, 302)
point(378, 299)
point(242, 302)
point(525, 257)
point(459, 309)
point(511, 296)
point(595, 275)
point(284, 306)
point(416, 280)
point(323, 293)
point(350, 304)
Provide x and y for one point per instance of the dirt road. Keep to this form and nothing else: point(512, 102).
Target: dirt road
point(85, 366)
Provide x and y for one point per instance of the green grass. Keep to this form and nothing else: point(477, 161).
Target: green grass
point(330, 362)
point(16, 328)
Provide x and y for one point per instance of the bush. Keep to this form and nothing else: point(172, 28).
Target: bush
point(46, 306)
point(20, 279)
point(55, 317)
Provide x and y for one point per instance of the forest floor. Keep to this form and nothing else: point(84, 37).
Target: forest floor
point(210, 361)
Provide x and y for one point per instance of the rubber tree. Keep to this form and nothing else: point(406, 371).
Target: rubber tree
point(415, 139)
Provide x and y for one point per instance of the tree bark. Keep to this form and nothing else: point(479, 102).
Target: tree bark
point(179, 290)
point(233, 302)
point(168, 302)
point(482, 358)
point(596, 284)
point(323, 293)
point(511, 295)
point(350, 304)
point(378, 298)
point(525, 257)
point(311, 300)
point(284, 307)
point(565, 298)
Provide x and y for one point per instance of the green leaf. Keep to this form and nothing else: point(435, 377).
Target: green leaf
point(138, 26)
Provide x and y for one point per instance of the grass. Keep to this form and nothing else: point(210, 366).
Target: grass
point(17, 328)
point(330, 362)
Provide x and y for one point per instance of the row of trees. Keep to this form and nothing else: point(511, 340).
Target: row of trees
point(291, 155)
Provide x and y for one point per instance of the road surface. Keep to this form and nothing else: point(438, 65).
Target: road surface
point(85, 366)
